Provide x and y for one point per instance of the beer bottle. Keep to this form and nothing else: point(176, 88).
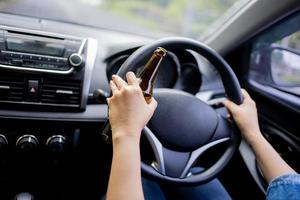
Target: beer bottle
point(149, 72)
point(147, 76)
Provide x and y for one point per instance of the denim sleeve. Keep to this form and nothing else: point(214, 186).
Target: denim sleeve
point(284, 187)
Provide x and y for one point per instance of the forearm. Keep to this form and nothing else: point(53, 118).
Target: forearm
point(125, 176)
point(269, 161)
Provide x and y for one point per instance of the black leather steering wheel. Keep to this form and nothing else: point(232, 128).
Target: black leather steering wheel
point(183, 127)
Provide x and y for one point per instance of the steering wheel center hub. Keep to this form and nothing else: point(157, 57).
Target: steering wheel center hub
point(181, 121)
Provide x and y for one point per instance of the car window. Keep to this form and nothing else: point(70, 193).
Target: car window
point(275, 57)
point(152, 18)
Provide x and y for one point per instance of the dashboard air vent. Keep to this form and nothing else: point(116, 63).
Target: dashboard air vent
point(11, 89)
point(61, 92)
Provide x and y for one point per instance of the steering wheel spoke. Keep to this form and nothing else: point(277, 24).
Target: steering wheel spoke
point(224, 129)
point(223, 133)
point(175, 163)
point(157, 149)
point(168, 162)
point(197, 153)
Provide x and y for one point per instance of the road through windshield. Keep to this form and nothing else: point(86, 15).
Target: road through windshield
point(154, 18)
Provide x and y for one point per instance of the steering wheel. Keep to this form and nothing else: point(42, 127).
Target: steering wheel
point(183, 127)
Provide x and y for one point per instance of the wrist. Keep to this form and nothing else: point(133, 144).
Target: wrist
point(121, 136)
point(254, 138)
point(126, 145)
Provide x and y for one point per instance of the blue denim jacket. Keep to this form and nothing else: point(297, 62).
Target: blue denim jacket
point(286, 187)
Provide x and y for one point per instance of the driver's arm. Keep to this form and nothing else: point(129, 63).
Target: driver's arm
point(245, 116)
point(128, 114)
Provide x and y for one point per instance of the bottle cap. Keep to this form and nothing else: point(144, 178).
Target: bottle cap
point(160, 51)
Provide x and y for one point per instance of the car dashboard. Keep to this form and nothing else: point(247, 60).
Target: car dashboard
point(51, 121)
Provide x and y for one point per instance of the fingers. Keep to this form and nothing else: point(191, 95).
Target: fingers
point(152, 104)
point(119, 82)
point(131, 79)
point(228, 115)
point(113, 87)
point(108, 100)
point(230, 106)
point(245, 94)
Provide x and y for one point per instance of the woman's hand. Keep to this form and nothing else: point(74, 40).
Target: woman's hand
point(128, 114)
point(269, 161)
point(128, 110)
point(245, 116)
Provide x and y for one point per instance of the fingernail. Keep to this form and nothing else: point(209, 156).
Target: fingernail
point(116, 76)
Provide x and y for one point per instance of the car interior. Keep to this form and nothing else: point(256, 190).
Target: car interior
point(56, 62)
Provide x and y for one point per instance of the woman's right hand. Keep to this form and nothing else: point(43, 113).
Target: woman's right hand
point(245, 116)
point(128, 110)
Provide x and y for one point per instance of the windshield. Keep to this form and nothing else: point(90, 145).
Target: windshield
point(155, 18)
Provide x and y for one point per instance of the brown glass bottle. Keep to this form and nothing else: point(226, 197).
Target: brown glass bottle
point(149, 72)
point(147, 76)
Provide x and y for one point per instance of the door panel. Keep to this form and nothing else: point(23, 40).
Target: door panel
point(273, 81)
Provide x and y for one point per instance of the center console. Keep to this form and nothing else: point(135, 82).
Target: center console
point(44, 141)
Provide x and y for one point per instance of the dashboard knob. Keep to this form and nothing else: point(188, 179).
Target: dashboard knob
point(56, 143)
point(75, 59)
point(27, 142)
point(3, 142)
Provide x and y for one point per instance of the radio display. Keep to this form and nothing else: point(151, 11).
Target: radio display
point(35, 46)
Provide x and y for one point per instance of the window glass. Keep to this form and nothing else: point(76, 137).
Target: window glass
point(154, 18)
point(275, 57)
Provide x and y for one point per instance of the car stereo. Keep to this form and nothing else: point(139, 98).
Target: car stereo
point(32, 52)
point(43, 70)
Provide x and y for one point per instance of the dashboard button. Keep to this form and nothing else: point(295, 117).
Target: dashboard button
point(44, 58)
point(3, 142)
point(15, 55)
point(56, 143)
point(33, 88)
point(35, 57)
point(17, 62)
point(26, 57)
point(75, 59)
point(27, 142)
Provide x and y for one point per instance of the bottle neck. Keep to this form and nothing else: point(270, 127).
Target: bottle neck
point(149, 74)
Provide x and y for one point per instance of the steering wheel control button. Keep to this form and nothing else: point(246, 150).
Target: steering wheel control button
point(56, 143)
point(75, 59)
point(27, 142)
point(33, 88)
